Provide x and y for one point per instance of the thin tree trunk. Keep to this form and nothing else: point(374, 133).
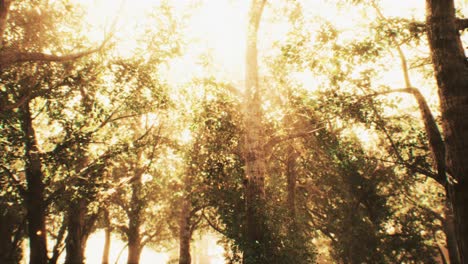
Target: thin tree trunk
point(291, 178)
point(134, 236)
point(451, 72)
point(35, 205)
point(58, 247)
point(254, 153)
point(451, 240)
point(11, 230)
point(5, 239)
point(184, 233)
point(107, 241)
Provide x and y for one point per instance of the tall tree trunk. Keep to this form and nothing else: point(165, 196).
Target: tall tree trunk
point(78, 225)
point(76, 238)
point(184, 233)
point(35, 205)
point(451, 72)
point(107, 241)
point(134, 225)
point(254, 153)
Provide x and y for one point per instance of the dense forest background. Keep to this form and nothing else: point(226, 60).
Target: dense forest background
point(289, 131)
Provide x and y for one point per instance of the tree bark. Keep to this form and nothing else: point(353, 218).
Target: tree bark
point(134, 248)
point(254, 152)
point(34, 200)
point(107, 241)
point(79, 226)
point(134, 225)
point(449, 230)
point(11, 230)
point(184, 233)
point(76, 238)
point(451, 72)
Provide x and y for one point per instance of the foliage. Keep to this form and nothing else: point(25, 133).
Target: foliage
point(347, 161)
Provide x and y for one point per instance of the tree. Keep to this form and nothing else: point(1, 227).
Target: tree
point(332, 55)
point(26, 48)
point(12, 221)
point(254, 153)
point(451, 72)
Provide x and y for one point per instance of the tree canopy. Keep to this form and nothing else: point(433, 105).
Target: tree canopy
point(284, 131)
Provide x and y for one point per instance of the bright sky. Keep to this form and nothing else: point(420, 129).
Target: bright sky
point(216, 28)
point(95, 248)
point(205, 248)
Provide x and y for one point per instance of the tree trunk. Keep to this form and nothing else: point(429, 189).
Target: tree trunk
point(291, 178)
point(11, 231)
point(134, 225)
point(35, 205)
point(107, 241)
point(254, 153)
point(134, 249)
point(184, 233)
point(449, 230)
point(58, 247)
point(78, 225)
point(76, 238)
point(451, 72)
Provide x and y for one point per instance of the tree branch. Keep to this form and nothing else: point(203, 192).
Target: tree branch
point(11, 57)
point(436, 143)
point(58, 247)
point(462, 23)
point(404, 63)
point(149, 237)
point(322, 228)
point(195, 224)
point(8, 58)
point(278, 139)
point(16, 181)
point(214, 226)
point(122, 228)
